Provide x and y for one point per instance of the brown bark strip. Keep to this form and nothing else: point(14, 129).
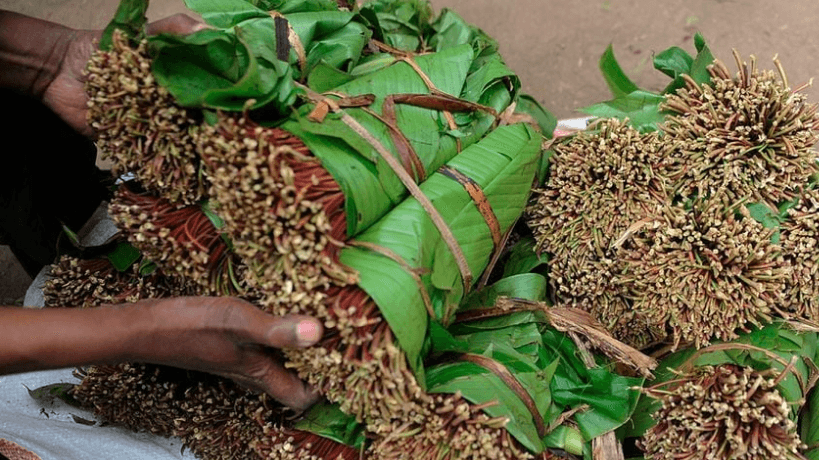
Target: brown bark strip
point(412, 187)
point(414, 272)
point(492, 312)
point(409, 159)
point(295, 42)
point(510, 381)
point(321, 109)
point(481, 202)
point(582, 325)
point(441, 101)
point(282, 41)
point(607, 447)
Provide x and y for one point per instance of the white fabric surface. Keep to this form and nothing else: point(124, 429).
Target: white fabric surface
point(51, 432)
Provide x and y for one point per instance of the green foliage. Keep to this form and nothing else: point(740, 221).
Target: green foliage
point(771, 218)
point(129, 18)
point(123, 256)
point(225, 67)
point(524, 259)
point(503, 165)
point(327, 420)
point(770, 347)
point(46, 395)
point(547, 364)
point(642, 107)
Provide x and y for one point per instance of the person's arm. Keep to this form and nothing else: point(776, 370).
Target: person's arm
point(47, 60)
point(223, 336)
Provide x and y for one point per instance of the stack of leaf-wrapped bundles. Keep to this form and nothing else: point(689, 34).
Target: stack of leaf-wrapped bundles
point(688, 217)
point(362, 166)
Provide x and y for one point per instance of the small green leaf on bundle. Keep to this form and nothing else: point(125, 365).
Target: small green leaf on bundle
point(123, 256)
point(130, 19)
point(47, 394)
point(733, 400)
point(328, 421)
point(675, 62)
point(524, 259)
point(642, 107)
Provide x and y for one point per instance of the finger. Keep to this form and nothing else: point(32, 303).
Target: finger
point(292, 331)
point(252, 324)
point(269, 376)
point(291, 391)
point(179, 24)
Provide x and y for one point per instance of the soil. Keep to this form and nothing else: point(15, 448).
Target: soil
point(554, 46)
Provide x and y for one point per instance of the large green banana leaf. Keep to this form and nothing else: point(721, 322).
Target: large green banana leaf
point(503, 166)
point(370, 187)
point(546, 364)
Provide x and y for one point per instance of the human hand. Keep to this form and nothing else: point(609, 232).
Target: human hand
point(232, 338)
point(65, 92)
point(219, 335)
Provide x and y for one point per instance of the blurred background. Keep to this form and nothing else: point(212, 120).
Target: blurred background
point(554, 46)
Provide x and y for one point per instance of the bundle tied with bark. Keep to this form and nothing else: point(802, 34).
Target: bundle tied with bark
point(737, 400)
point(694, 228)
point(297, 219)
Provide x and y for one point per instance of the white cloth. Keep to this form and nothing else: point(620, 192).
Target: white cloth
point(51, 432)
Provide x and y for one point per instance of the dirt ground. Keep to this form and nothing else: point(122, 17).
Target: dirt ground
point(554, 46)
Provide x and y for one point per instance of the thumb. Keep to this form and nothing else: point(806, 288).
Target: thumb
point(178, 24)
point(293, 331)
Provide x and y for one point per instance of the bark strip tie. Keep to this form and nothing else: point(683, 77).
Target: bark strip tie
point(412, 271)
point(294, 40)
point(513, 383)
point(481, 202)
point(406, 179)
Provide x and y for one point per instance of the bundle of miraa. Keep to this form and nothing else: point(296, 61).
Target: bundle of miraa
point(697, 231)
point(235, 208)
point(723, 412)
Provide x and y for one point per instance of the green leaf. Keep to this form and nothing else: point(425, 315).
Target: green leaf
point(673, 62)
point(545, 119)
point(565, 438)
point(225, 14)
point(402, 24)
point(328, 421)
point(214, 218)
point(296, 6)
point(46, 395)
point(123, 256)
point(523, 258)
point(809, 426)
point(72, 236)
point(641, 108)
point(442, 341)
point(129, 18)
point(766, 216)
point(502, 165)
point(619, 84)
point(216, 69)
point(531, 286)
point(771, 218)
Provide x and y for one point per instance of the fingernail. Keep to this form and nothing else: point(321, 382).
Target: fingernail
point(200, 26)
point(308, 332)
